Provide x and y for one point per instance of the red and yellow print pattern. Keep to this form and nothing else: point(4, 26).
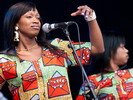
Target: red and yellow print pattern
point(109, 88)
point(46, 78)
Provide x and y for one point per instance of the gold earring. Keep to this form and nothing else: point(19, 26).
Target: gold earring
point(16, 37)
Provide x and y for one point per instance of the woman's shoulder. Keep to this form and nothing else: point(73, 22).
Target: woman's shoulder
point(94, 75)
point(3, 53)
point(7, 54)
point(4, 58)
point(58, 42)
point(8, 51)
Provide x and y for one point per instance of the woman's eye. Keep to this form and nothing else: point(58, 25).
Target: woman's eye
point(38, 18)
point(122, 47)
point(29, 16)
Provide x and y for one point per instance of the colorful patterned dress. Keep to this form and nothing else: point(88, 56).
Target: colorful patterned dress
point(44, 79)
point(108, 88)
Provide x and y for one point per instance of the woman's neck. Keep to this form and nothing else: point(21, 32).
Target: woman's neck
point(113, 66)
point(26, 45)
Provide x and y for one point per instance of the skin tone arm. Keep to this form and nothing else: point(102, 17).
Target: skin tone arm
point(95, 32)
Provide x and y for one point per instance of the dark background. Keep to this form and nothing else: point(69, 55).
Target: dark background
point(111, 14)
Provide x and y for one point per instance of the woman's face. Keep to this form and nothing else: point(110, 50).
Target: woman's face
point(29, 24)
point(121, 56)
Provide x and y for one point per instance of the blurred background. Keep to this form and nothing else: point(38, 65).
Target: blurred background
point(111, 15)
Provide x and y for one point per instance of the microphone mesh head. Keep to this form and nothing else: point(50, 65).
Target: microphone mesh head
point(45, 27)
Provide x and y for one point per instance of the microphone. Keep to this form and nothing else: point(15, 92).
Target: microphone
point(48, 27)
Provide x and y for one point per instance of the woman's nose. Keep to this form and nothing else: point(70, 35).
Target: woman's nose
point(126, 50)
point(36, 20)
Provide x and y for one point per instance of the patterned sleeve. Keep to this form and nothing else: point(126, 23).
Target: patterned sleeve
point(84, 92)
point(82, 50)
point(2, 79)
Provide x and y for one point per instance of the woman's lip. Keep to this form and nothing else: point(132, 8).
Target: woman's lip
point(35, 27)
point(127, 57)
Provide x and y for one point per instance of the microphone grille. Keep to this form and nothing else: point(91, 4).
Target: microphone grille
point(45, 27)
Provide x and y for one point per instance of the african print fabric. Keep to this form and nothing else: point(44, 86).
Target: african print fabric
point(46, 78)
point(108, 88)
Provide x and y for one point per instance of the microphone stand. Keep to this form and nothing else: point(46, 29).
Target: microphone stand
point(65, 30)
